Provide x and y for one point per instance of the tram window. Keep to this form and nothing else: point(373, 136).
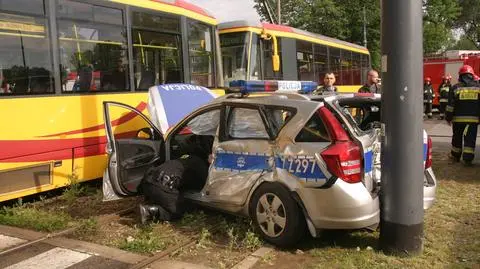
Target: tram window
point(346, 67)
point(305, 60)
point(267, 60)
point(25, 56)
point(320, 62)
point(365, 66)
point(155, 22)
point(24, 6)
point(156, 58)
point(92, 54)
point(255, 57)
point(357, 68)
point(234, 55)
point(335, 64)
point(82, 11)
point(200, 49)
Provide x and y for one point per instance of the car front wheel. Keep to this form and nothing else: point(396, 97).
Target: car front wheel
point(276, 215)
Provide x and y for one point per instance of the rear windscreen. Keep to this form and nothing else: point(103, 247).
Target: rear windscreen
point(361, 113)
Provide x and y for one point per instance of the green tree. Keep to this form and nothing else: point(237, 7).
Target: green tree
point(464, 43)
point(439, 17)
point(343, 19)
point(469, 20)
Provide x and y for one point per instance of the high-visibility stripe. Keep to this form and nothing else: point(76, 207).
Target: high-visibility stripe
point(57, 258)
point(465, 131)
point(449, 108)
point(455, 149)
point(443, 100)
point(465, 119)
point(8, 241)
point(468, 150)
point(467, 89)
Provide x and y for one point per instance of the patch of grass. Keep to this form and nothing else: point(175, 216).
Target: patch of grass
point(251, 241)
point(451, 228)
point(240, 234)
point(233, 238)
point(74, 189)
point(196, 218)
point(204, 238)
point(87, 227)
point(269, 258)
point(24, 216)
point(144, 241)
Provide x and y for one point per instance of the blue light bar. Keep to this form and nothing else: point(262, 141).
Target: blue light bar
point(251, 86)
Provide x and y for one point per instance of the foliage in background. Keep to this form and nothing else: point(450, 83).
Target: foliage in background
point(469, 21)
point(343, 19)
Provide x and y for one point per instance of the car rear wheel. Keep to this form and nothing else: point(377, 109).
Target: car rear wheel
point(276, 215)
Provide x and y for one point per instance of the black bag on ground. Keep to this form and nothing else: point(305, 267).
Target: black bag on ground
point(163, 185)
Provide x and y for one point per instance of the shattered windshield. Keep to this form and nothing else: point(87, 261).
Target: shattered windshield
point(205, 124)
point(363, 114)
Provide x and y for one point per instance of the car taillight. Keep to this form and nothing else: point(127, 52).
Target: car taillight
point(343, 157)
point(344, 160)
point(428, 161)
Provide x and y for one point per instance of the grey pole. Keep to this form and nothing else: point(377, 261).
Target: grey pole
point(279, 12)
point(364, 27)
point(401, 227)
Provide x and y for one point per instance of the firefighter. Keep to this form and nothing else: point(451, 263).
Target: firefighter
point(463, 110)
point(443, 90)
point(476, 78)
point(428, 95)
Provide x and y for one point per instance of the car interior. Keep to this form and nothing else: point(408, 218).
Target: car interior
point(364, 113)
point(195, 138)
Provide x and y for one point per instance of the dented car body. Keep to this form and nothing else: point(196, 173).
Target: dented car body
point(290, 162)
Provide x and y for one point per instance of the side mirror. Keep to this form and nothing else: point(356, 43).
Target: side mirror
point(146, 133)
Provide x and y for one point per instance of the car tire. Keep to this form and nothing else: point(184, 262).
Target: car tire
point(276, 215)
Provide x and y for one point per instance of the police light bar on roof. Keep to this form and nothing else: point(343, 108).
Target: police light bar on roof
point(251, 86)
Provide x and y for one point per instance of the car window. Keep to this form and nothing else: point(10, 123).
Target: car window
point(313, 131)
point(278, 117)
point(205, 124)
point(246, 123)
point(362, 115)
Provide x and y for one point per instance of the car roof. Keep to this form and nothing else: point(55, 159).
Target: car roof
point(302, 103)
point(296, 98)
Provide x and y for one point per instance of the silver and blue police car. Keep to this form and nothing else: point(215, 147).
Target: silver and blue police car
point(293, 163)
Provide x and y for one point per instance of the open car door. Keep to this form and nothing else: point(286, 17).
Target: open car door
point(134, 144)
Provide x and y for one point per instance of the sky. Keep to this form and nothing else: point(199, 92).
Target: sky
point(229, 10)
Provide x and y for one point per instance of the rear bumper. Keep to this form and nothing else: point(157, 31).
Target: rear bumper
point(342, 206)
point(429, 189)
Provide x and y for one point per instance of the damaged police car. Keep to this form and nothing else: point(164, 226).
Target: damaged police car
point(292, 163)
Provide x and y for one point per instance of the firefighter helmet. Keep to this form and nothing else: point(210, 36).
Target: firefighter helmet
point(466, 69)
point(428, 79)
point(446, 77)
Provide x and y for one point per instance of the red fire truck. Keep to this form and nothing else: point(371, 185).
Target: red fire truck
point(449, 63)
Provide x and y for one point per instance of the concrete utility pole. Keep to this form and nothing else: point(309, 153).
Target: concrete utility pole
point(279, 13)
point(364, 27)
point(401, 228)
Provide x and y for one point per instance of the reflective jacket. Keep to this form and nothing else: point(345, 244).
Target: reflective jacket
point(443, 90)
point(464, 103)
point(428, 93)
